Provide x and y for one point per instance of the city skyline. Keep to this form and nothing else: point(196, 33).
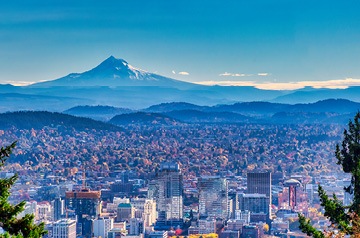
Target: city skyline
point(273, 45)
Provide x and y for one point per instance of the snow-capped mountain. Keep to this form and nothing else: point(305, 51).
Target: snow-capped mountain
point(114, 72)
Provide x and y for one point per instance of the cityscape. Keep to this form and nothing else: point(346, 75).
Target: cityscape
point(179, 119)
point(181, 180)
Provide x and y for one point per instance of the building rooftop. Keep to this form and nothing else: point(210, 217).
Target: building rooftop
point(124, 205)
point(292, 182)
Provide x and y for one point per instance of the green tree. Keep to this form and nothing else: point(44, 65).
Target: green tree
point(344, 219)
point(14, 227)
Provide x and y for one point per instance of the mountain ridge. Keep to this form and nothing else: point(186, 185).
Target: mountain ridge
point(114, 82)
point(113, 72)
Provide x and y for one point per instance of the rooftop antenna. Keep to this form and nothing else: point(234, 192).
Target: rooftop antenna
point(84, 179)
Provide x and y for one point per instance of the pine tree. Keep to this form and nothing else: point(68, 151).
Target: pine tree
point(344, 220)
point(14, 227)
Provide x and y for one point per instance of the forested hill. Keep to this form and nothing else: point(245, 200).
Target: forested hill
point(39, 119)
point(101, 113)
point(143, 118)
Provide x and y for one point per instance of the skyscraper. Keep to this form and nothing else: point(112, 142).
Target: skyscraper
point(102, 225)
point(149, 215)
point(254, 202)
point(86, 205)
point(169, 194)
point(213, 197)
point(260, 183)
point(64, 228)
point(59, 206)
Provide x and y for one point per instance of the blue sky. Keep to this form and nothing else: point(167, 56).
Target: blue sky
point(253, 42)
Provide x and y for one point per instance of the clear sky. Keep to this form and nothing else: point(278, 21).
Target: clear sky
point(267, 43)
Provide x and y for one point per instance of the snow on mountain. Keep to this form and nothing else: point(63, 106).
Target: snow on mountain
point(114, 72)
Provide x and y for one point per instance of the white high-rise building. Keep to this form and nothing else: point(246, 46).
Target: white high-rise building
point(169, 198)
point(43, 211)
point(213, 197)
point(150, 214)
point(102, 226)
point(64, 228)
point(138, 205)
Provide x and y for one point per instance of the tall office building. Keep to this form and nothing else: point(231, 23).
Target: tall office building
point(213, 197)
point(170, 192)
point(102, 226)
point(64, 228)
point(59, 207)
point(149, 215)
point(260, 183)
point(254, 203)
point(86, 206)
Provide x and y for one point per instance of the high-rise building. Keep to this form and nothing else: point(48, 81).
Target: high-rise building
point(260, 183)
point(149, 215)
point(293, 185)
point(169, 200)
point(86, 206)
point(102, 226)
point(213, 197)
point(43, 211)
point(125, 212)
point(59, 207)
point(254, 203)
point(138, 204)
point(135, 226)
point(64, 228)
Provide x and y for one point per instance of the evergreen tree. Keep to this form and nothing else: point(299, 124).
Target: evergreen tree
point(14, 227)
point(344, 219)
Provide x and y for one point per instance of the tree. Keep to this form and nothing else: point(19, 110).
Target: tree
point(344, 219)
point(14, 227)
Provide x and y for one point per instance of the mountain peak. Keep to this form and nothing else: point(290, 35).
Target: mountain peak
point(114, 72)
point(112, 63)
point(114, 59)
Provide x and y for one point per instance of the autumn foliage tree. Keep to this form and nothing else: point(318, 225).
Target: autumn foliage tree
point(344, 220)
point(13, 226)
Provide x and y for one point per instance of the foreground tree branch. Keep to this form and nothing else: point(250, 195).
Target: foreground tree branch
point(14, 227)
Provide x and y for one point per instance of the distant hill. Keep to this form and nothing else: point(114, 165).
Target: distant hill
point(40, 119)
point(309, 118)
point(311, 96)
point(329, 105)
point(18, 102)
point(175, 106)
point(194, 116)
point(253, 108)
point(263, 109)
point(102, 113)
point(143, 118)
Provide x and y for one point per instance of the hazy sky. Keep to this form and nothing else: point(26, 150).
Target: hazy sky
point(252, 42)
